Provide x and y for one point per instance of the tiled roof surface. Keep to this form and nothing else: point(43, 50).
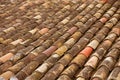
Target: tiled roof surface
point(59, 39)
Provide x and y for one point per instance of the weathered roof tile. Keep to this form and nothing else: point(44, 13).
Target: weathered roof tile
point(59, 40)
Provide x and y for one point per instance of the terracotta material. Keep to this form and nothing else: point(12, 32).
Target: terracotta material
point(99, 37)
point(91, 6)
point(99, 5)
point(16, 57)
point(116, 15)
point(33, 31)
point(94, 29)
point(100, 52)
point(97, 15)
point(101, 73)
point(83, 20)
point(66, 35)
point(38, 17)
point(27, 50)
point(1, 40)
point(16, 67)
point(76, 35)
point(111, 37)
point(74, 50)
point(93, 44)
point(78, 24)
point(71, 70)
point(37, 51)
point(109, 25)
point(114, 74)
point(116, 45)
point(50, 50)
point(88, 16)
point(26, 42)
point(6, 57)
point(16, 42)
point(110, 12)
point(106, 44)
point(103, 31)
point(87, 51)
point(60, 51)
point(114, 20)
point(118, 63)
point(83, 5)
point(55, 56)
point(6, 42)
point(83, 28)
point(113, 53)
point(43, 68)
point(56, 70)
point(28, 69)
point(9, 29)
point(103, 20)
point(79, 59)
point(96, 78)
point(92, 62)
point(5, 66)
point(80, 78)
point(85, 73)
point(35, 36)
point(28, 58)
point(17, 77)
point(65, 59)
point(59, 42)
point(107, 15)
point(34, 76)
point(116, 31)
point(6, 75)
point(70, 42)
point(72, 30)
point(65, 21)
point(43, 31)
point(37, 42)
point(64, 77)
point(108, 62)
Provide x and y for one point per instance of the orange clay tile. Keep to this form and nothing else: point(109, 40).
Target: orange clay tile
point(103, 1)
point(6, 75)
point(103, 20)
point(87, 51)
point(22, 8)
point(6, 57)
point(38, 1)
point(95, 79)
point(116, 30)
point(43, 31)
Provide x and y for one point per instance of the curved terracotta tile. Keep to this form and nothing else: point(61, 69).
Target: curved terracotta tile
point(50, 50)
point(54, 39)
point(103, 20)
point(6, 57)
point(87, 51)
point(6, 75)
point(43, 31)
